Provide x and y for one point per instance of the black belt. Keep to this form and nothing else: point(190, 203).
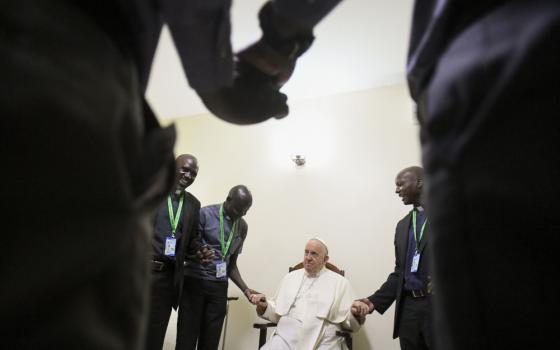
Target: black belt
point(415, 293)
point(158, 265)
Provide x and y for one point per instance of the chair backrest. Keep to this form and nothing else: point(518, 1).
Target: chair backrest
point(328, 266)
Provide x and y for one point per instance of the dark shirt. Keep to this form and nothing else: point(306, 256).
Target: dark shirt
point(200, 31)
point(435, 24)
point(210, 234)
point(162, 229)
point(411, 279)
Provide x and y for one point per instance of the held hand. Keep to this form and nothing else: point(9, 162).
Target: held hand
point(253, 98)
point(359, 309)
point(283, 40)
point(259, 300)
point(205, 254)
point(369, 304)
point(249, 293)
point(262, 56)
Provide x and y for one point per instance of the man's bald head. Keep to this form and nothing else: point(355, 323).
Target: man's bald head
point(239, 191)
point(183, 157)
point(238, 202)
point(410, 184)
point(416, 170)
point(186, 170)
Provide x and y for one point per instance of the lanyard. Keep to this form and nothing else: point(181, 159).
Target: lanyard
point(414, 228)
point(174, 220)
point(223, 244)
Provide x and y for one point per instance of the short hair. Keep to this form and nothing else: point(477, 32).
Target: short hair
point(416, 170)
point(186, 155)
point(239, 189)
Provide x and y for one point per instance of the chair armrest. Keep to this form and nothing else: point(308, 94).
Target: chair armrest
point(263, 325)
point(347, 335)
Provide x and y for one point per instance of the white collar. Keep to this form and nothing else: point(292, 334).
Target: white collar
point(319, 273)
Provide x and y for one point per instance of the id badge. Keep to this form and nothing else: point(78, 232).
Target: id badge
point(221, 269)
point(170, 243)
point(415, 261)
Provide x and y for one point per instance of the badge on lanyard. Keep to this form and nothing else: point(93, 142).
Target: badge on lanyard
point(415, 261)
point(221, 269)
point(171, 241)
point(416, 257)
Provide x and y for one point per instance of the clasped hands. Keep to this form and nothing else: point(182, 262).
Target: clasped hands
point(256, 298)
point(254, 96)
point(360, 308)
point(205, 254)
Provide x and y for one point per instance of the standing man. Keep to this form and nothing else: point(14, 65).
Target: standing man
point(203, 302)
point(407, 285)
point(175, 230)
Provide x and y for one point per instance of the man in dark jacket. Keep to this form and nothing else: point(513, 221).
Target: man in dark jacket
point(407, 285)
point(175, 235)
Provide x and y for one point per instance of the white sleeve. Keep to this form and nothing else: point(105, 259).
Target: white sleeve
point(270, 313)
point(351, 323)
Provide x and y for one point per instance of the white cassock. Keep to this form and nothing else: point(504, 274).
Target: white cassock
point(309, 310)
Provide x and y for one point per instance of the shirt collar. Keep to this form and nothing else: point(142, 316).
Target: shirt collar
point(321, 271)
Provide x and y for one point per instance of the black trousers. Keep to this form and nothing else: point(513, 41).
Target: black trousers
point(415, 324)
point(163, 297)
point(201, 314)
point(491, 137)
point(78, 184)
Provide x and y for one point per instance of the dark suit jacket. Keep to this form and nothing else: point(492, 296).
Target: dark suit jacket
point(392, 289)
point(189, 240)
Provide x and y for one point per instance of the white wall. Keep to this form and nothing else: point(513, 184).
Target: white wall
point(354, 144)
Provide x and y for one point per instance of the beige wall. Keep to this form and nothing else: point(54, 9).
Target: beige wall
point(354, 144)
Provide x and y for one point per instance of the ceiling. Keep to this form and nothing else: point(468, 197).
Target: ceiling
point(361, 44)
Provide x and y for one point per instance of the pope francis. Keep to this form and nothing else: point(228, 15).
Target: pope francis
point(311, 305)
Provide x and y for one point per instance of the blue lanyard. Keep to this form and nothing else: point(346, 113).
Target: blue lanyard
point(417, 239)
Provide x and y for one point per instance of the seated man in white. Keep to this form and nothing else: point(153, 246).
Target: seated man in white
point(311, 305)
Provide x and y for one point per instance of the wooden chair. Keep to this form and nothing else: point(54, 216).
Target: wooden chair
point(263, 327)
